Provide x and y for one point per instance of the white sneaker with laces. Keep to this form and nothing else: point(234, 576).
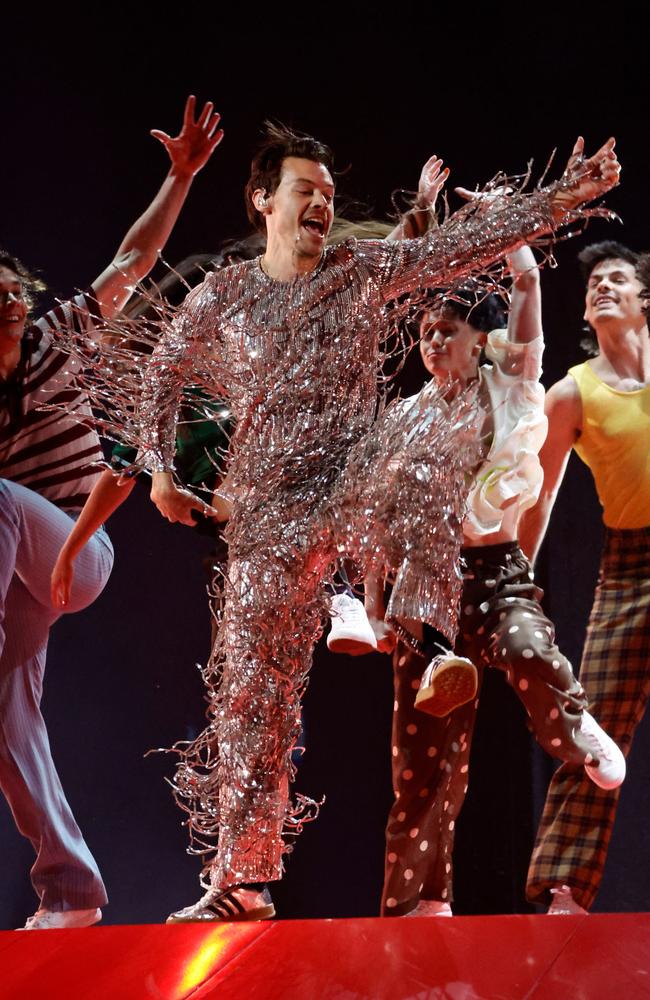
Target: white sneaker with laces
point(448, 682)
point(563, 902)
point(50, 920)
point(222, 906)
point(610, 770)
point(351, 631)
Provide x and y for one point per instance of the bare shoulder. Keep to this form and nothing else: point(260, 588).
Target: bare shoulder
point(563, 408)
point(564, 395)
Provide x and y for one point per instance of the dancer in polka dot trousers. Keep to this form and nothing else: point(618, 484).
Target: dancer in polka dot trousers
point(501, 620)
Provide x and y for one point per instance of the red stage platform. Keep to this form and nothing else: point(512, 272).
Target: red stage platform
point(465, 958)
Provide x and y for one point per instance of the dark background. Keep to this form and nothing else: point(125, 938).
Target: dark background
point(77, 166)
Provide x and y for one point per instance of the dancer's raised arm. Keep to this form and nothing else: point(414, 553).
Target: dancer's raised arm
point(419, 219)
point(189, 151)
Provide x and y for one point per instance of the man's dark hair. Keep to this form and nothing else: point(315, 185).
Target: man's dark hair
point(643, 275)
point(483, 312)
point(266, 167)
point(29, 282)
point(595, 253)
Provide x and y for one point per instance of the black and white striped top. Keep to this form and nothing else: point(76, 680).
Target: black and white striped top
point(46, 450)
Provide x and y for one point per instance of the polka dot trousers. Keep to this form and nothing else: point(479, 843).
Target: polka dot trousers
point(501, 625)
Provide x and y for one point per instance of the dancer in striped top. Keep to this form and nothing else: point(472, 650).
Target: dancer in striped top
point(47, 469)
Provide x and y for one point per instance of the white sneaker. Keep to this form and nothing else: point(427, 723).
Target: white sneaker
point(563, 902)
point(431, 908)
point(236, 904)
point(49, 920)
point(448, 682)
point(351, 631)
point(610, 770)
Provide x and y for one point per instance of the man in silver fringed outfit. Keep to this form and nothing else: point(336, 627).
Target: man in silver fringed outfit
point(294, 339)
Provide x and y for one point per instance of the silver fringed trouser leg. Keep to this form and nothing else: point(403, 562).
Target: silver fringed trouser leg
point(272, 619)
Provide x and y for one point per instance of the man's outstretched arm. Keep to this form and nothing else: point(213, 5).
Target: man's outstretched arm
point(469, 243)
point(189, 151)
point(563, 408)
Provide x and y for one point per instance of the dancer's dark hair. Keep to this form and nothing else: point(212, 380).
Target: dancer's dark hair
point(596, 253)
point(30, 283)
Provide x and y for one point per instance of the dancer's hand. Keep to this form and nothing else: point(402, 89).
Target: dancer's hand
point(432, 181)
point(61, 581)
point(174, 504)
point(591, 177)
point(191, 149)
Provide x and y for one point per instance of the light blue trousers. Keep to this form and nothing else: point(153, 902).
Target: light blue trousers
point(32, 531)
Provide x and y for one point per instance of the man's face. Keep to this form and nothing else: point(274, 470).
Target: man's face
point(301, 209)
point(449, 346)
point(13, 309)
point(612, 297)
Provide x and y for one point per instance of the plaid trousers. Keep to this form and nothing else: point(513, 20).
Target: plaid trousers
point(576, 826)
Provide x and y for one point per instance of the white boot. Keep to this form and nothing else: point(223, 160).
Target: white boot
point(351, 631)
point(563, 902)
point(610, 770)
point(448, 681)
point(54, 920)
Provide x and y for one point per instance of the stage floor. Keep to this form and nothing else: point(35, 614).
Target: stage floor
point(595, 957)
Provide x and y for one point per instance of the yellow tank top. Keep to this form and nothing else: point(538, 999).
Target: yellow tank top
point(615, 444)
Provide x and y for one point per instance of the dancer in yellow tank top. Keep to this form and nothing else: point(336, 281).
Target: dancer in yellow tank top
point(602, 409)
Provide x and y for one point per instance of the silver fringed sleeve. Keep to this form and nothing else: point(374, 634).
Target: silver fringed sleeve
point(467, 243)
point(178, 357)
